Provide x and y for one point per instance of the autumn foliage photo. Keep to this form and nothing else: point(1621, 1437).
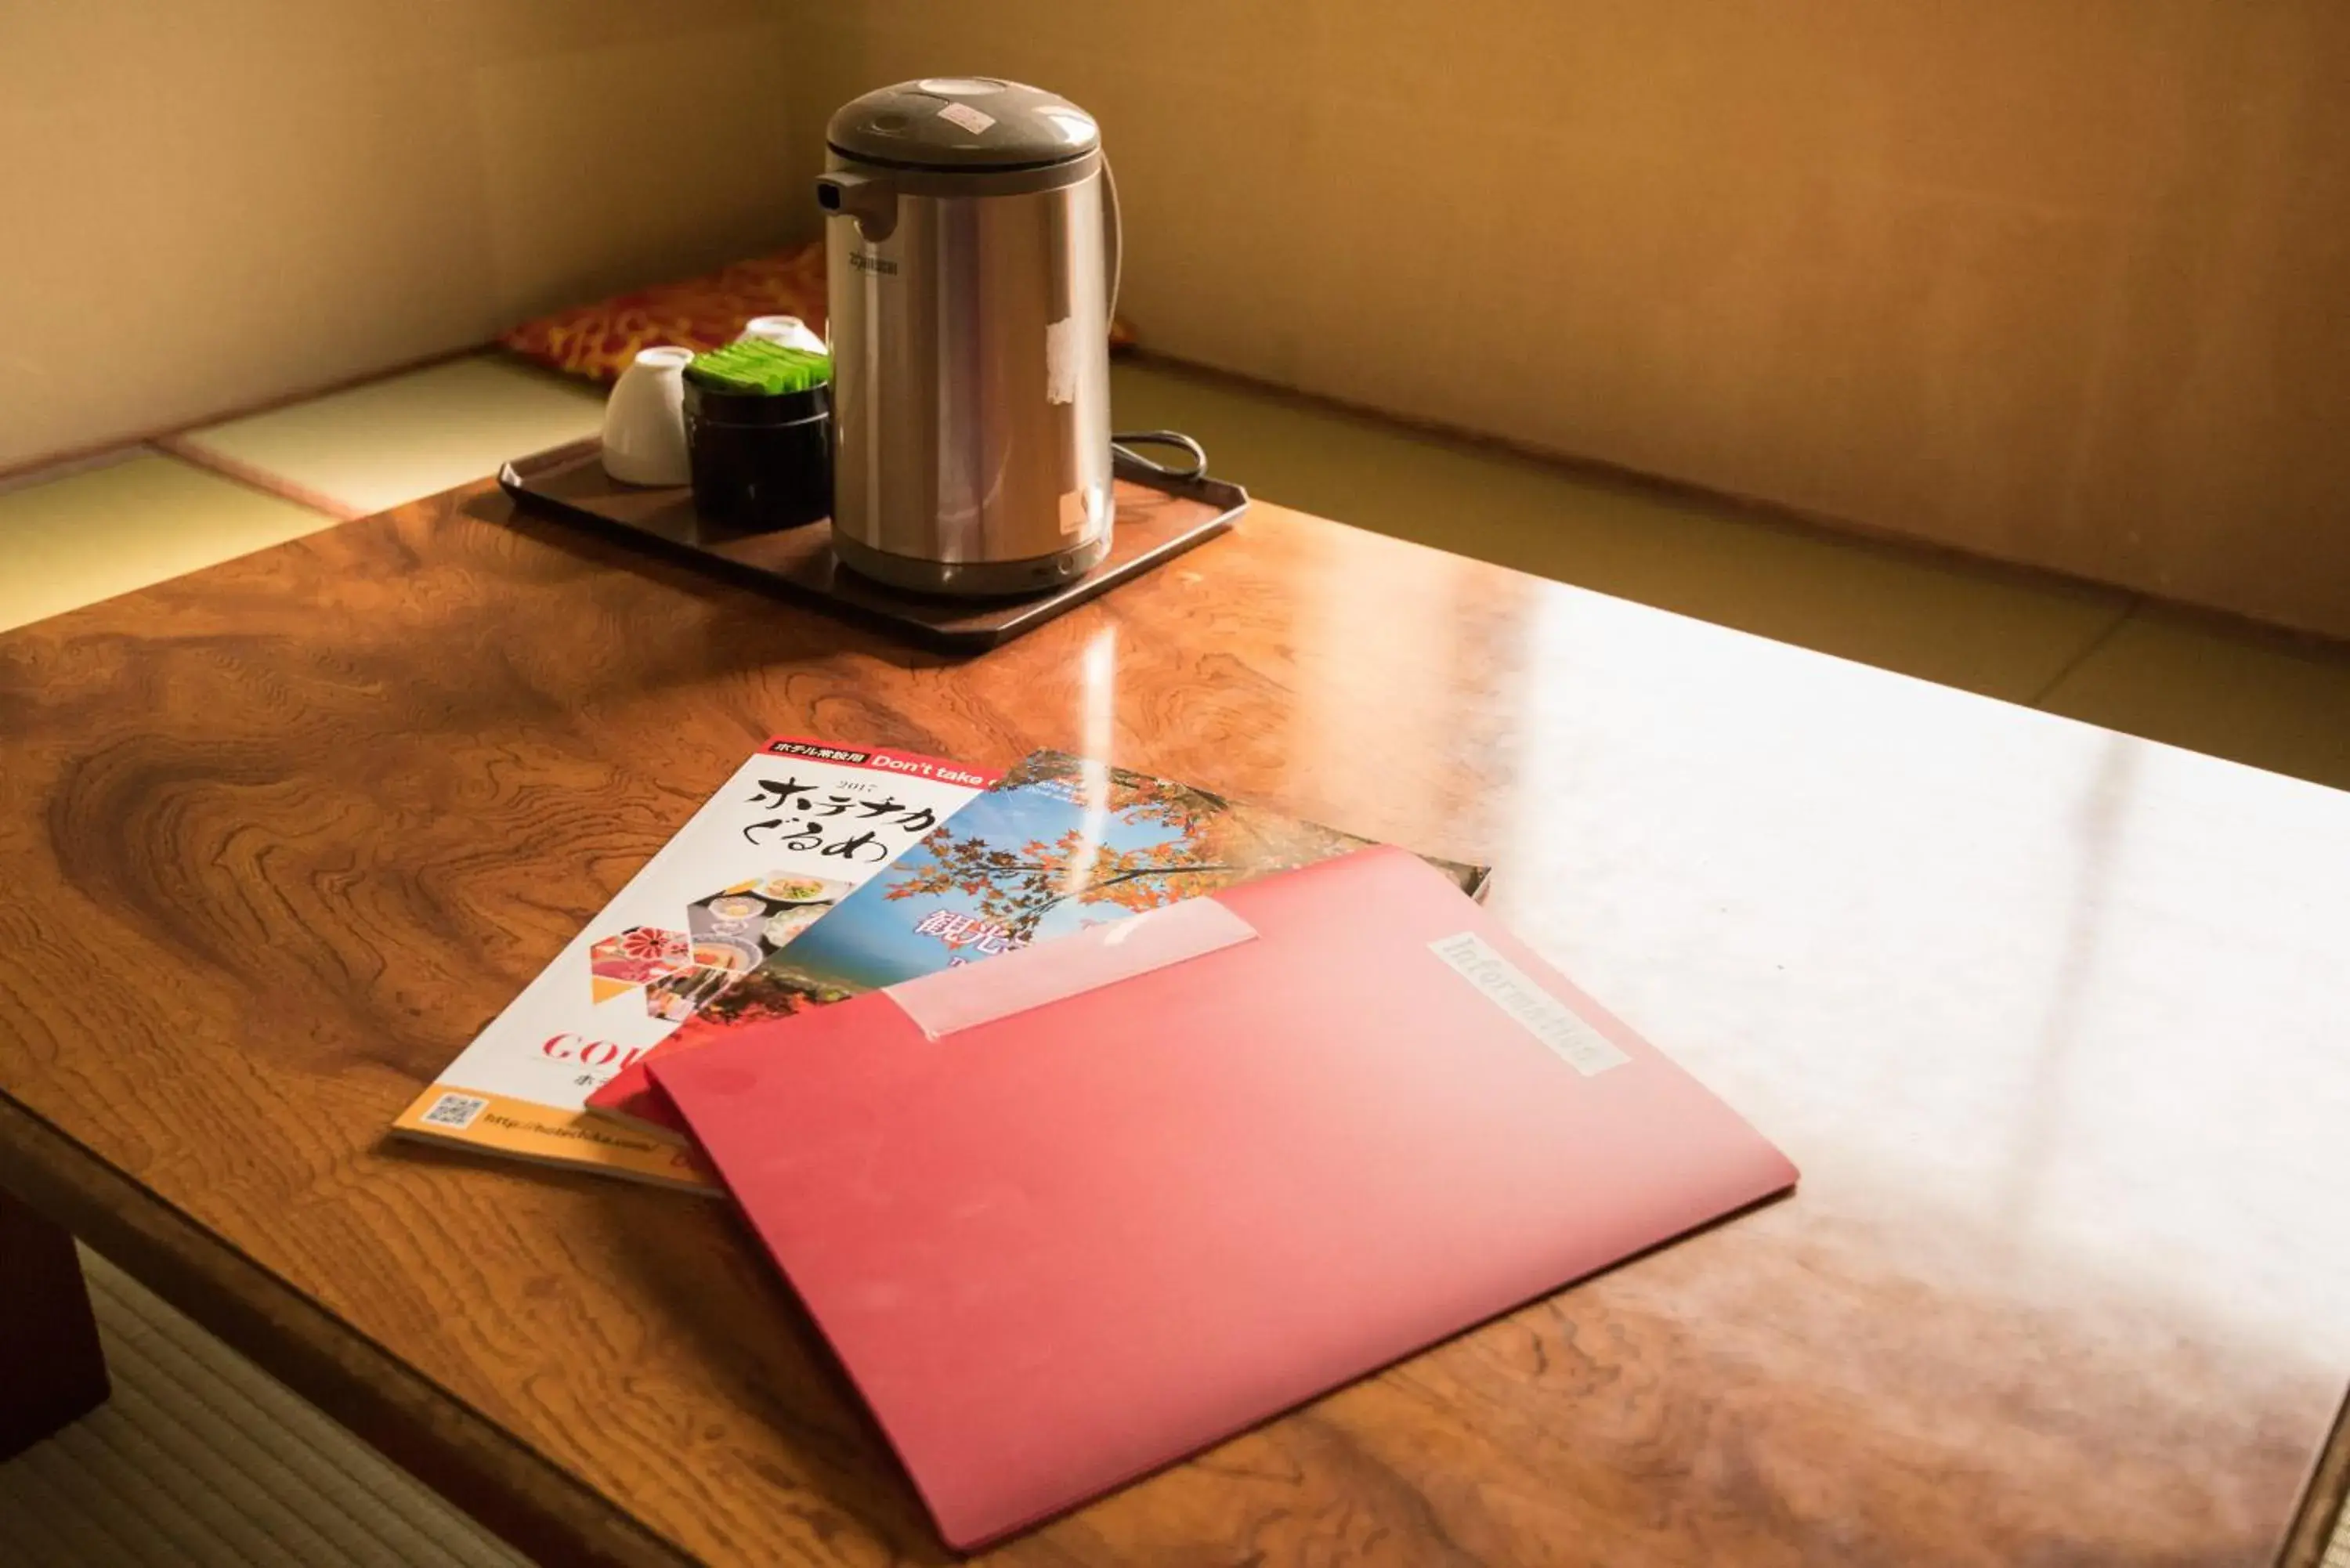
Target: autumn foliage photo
point(1061, 844)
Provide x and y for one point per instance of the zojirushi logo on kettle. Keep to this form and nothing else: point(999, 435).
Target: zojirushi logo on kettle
point(864, 263)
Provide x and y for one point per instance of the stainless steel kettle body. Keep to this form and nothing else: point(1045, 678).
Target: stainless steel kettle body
point(969, 324)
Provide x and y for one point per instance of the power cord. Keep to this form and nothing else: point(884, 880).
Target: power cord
point(1122, 446)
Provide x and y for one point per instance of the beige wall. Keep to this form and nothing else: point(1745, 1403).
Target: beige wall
point(2059, 282)
point(2063, 281)
point(204, 206)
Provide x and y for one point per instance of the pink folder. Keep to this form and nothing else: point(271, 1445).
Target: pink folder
point(1081, 1210)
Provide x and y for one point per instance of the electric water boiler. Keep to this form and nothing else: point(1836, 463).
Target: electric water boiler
point(971, 250)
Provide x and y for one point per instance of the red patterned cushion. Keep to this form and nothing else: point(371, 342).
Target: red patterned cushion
point(600, 340)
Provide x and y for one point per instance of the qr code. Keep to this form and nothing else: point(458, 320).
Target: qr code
point(455, 1111)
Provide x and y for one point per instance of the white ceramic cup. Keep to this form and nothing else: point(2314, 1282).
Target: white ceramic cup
point(644, 421)
point(788, 330)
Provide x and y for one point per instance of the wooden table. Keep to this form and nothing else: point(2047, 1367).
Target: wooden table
point(2056, 1022)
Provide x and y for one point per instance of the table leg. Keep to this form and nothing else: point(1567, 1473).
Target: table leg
point(51, 1368)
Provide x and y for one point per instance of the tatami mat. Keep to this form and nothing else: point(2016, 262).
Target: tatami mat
point(1945, 619)
point(108, 528)
point(2091, 653)
point(199, 1458)
point(2274, 701)
point(407, 436)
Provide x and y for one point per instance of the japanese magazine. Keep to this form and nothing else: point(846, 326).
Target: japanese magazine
point(1061, 843)
point(798, 827)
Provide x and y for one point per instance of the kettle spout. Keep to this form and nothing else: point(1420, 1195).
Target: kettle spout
point(870, 200)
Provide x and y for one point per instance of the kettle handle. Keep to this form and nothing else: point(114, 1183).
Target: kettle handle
point(1115, 238)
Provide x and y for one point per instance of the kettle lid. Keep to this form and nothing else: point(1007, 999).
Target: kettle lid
point(963, 122)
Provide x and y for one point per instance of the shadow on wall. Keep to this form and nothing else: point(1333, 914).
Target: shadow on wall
point(262, 202)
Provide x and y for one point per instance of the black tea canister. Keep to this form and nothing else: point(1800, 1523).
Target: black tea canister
point(761, 460)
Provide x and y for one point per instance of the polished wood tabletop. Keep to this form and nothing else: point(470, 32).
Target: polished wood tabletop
point(2055, 1021)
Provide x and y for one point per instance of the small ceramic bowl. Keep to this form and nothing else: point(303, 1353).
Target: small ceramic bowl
point(788, 330)
point(644, 421)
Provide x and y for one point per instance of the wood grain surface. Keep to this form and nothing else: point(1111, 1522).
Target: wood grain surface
point(2050, 1018)
point(52, 1370)
point(2320, 1517)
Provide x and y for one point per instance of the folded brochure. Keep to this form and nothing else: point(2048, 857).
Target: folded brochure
point(1061, 843)
point(799, 827)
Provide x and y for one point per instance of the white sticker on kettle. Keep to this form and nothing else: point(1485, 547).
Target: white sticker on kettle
point(1061, 360)
point(970, 119)
point(1537, 1010)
